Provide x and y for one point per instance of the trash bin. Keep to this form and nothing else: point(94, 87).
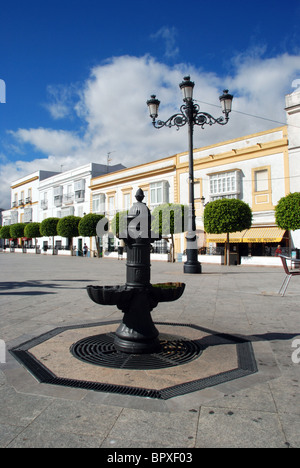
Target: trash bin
point(120, 251)
point(233, 258)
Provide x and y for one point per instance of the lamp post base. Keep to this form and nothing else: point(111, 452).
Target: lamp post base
point(193, 268)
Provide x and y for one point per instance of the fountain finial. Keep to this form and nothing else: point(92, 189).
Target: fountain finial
point(139, 195)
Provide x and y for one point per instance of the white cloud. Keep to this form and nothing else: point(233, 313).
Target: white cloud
point(58, 142)
point(169, 37)
point(61, 100)
point(114, 116)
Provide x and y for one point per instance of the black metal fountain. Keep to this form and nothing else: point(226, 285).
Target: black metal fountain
point(137, 344)
point(137, 333)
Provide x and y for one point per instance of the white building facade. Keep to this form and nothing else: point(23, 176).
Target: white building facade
point(258, 169)
point(68, 194)
point(292, 102)
point(25, 198)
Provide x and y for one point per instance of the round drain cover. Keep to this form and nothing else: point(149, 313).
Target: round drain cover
point(100, 350)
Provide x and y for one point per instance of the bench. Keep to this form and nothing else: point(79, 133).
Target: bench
point(288, 272)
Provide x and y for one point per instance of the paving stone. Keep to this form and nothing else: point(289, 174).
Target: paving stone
point(39, 293)
point(236, 428)
point(77, 417)
point(171, 430)
point(32, 437)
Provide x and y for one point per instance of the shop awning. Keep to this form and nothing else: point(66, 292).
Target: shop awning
point(234, 237)
point(252, 235)
point(264, 234)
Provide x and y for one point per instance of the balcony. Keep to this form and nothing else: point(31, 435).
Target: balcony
point(21, 202)
point(79, 196)
point(68, 198)
point(58, 200)
point(44, 204)
point(27, 218)
point(28, 200)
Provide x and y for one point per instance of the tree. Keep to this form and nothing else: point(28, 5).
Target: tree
point(68, 227)
point(32, 230)
point(17, 230)
point(226, 216)
point(287, 212)
point(5, 232)
point(87, 227)
point(170, 219)
point(48, 228)
point(118, 224)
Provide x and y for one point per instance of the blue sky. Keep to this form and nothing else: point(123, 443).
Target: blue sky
point(78, 74)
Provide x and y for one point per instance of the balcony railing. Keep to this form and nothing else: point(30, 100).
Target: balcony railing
point(79, 195)
point(68, 198)
point(58, 200)
point(44, 204)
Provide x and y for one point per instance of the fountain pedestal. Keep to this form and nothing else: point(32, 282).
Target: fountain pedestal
point(137, 333)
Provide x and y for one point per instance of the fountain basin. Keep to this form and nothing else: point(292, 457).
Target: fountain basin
point(167, 292)
point(121, 294)
point(109, 295)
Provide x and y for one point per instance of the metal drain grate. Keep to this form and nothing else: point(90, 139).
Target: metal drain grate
point(100, 350)
point(245, 356)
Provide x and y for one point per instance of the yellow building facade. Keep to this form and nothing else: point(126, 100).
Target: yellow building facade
point(254, 168)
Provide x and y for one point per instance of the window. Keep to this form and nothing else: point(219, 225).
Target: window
point(99, 203)
point(27, 215)
point(22, 199)
point(146, 197)
point(14, 217)
point(79, 195)
point(111, 205)
point(67, 211)
point(96, 204)
point(69, 196)
point(58, 195)
point(126, 201)
point(80, 211)
point(79, 189)
point(261, 181)
point(262, 189)
point(197, 189)
point(159, 192)
point(29, 196)
point(224, 185)
point(44, 201)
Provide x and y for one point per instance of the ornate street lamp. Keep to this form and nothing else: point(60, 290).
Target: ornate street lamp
point(190, 114)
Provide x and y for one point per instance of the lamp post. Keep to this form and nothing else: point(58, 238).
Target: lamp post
point(190, 114)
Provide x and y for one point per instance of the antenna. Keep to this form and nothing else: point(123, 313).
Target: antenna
point(108, 158)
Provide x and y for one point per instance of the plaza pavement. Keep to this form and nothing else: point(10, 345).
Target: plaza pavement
point(39, 293)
